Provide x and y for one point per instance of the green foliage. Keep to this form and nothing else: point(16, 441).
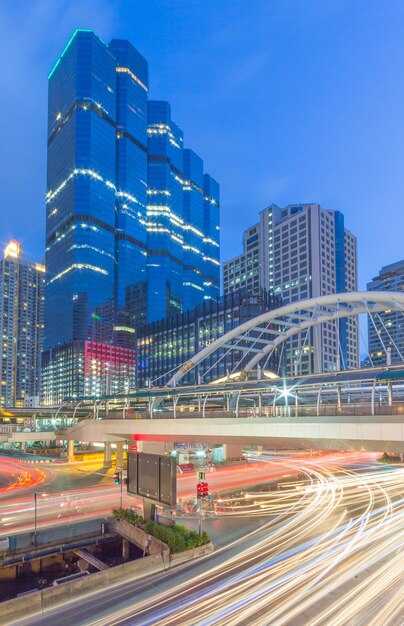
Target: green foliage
point(128, 515)
point(178, 538)
point(390, 458)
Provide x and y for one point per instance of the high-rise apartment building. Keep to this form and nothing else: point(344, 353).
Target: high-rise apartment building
point(131, 218)
point(22, 287)
point(386, 330)
point(243, 271)
point(299, 252)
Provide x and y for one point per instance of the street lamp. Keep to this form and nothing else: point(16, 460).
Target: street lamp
point(35, 516)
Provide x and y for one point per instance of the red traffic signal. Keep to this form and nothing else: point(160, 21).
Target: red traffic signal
point(202, 489)
point(117, 478)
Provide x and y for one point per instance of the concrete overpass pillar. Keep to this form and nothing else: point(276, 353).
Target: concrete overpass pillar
point(390, 394)
point(70, 451)
point(125, 549)
point(107, 455)
point(119, 455)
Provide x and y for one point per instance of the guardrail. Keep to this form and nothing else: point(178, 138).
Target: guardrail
point(357, 409)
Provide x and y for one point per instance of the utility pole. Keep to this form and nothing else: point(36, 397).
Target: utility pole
point(202, 491)
point(118, 480)
point(35, 517)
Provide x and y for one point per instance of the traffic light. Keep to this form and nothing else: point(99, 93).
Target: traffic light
point(205, 490)
point(199, 490)
point(117, 478)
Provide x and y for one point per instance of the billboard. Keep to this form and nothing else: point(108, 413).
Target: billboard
point(153, 476)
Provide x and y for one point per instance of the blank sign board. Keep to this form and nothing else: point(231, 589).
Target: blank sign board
point(153, 476)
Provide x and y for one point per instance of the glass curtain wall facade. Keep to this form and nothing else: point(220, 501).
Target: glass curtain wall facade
point(165, 344)
point(22, 286)
point(183, 221)
point(386, 330)
point(116, 238)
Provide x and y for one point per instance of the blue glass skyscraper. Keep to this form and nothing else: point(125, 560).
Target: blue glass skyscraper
point(183, 221)
point(132, 230)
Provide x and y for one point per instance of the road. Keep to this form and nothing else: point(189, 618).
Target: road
point(78, 492)
point(67, 493)
point(327, 551)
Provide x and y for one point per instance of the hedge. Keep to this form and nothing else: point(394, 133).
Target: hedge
point(178, 537)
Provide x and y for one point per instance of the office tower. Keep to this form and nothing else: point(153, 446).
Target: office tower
point(243, 271)
point(386, 330)
point(299, 252)
point(183, 221)
point(166, 344)
point(22, 287)
point(116, 236)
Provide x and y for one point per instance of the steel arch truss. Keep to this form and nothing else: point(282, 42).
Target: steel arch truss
point(256, 339)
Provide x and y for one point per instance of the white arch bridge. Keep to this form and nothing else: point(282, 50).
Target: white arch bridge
point(341, 408)
point(258, 338)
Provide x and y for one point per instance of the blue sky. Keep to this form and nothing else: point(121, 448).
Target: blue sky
point(287, 101)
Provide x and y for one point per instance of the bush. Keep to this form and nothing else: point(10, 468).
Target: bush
point(390, 458)
point(128, 515)
point(178, 538)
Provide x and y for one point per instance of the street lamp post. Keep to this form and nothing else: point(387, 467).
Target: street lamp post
point(35, 517)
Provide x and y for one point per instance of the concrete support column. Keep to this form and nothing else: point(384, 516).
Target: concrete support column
point(232, 451)
point(119, 455)
point(149, 509)
point(107, 455)
point(390, 394)
point(125, 549)
point(70, 451)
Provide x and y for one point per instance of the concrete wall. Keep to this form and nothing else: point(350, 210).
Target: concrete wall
point(40, 601)
point(20, 608)
point(145, 542)
point(182, 557)
point(23, 542)
point(46, 599)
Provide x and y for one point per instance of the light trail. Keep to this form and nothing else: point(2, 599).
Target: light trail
point(330, 554)
point(18, 476)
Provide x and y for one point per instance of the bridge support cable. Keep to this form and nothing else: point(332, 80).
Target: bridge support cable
point(293, 318)
point(364, 341)
point(299, 362)
point(340, 351)
point(230, 348)
point(390, 337)
point(376, 330)
point(76, 408)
